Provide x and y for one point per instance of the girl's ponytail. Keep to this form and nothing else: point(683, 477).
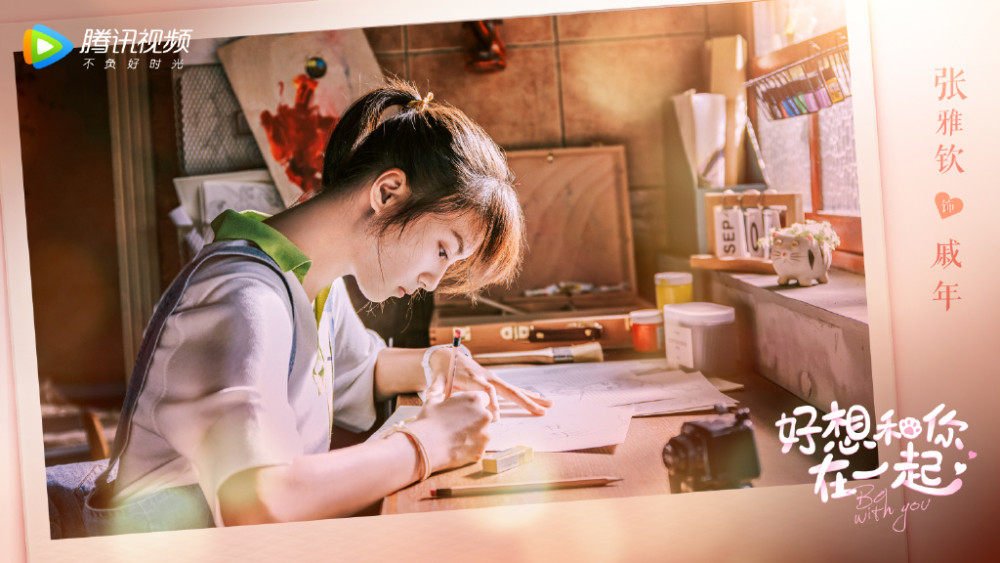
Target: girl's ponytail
point(355, 125)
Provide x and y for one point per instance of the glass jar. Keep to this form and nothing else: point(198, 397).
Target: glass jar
point(673, 287)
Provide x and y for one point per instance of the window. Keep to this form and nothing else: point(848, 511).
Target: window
point(812, 153)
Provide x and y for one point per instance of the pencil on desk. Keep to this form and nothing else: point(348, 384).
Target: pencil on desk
point(472, 490)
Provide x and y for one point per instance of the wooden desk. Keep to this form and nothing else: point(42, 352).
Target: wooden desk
point(638, 460)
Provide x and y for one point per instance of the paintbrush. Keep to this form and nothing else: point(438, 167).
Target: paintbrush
point(589, 352)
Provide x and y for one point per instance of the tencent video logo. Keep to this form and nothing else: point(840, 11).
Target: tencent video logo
point(44, 46)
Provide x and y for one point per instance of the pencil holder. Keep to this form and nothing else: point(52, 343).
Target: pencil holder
point(805, 86)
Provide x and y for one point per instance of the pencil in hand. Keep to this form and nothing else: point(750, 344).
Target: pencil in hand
point(455, 342)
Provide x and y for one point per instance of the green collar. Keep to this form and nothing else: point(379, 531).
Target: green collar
point(250, 226)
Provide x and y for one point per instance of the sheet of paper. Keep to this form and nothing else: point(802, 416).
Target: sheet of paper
point(564, 427)
point(725, 385)
point(217, 196)
point(701, 119)
point(682, 405)
point(620, 383)
point(189, 189)
point(640, 410)
point(567, 427)
point(593, 403)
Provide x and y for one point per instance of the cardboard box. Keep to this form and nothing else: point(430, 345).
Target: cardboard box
point(727, 59)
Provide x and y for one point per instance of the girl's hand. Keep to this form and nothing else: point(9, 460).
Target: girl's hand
point(470, 376)
point(454, 429)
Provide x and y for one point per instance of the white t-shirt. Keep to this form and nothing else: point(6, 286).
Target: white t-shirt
point(218, 398)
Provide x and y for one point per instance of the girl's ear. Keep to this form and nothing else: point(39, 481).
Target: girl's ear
point(389, 188)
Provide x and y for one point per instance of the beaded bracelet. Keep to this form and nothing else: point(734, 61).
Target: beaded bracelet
point(425, 460)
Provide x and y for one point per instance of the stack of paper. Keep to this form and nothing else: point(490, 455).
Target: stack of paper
point(594, 403)
point(565, 427)
point(218, 196)
point(202, 198)
point(647, 385)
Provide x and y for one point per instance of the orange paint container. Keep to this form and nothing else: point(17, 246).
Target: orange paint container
point(647, 330)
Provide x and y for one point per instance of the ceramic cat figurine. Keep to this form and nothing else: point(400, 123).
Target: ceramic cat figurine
point(799, 258)
point(802, 252)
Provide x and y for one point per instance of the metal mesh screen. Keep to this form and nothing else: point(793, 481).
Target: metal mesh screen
point(214, 135)
point(784, 146)
point(840, 166)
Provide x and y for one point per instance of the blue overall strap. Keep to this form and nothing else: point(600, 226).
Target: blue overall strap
point(151, 336)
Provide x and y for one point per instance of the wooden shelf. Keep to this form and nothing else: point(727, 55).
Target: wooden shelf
point(750, 265)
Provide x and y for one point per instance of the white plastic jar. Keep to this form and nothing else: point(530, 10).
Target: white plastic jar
point(701, 337)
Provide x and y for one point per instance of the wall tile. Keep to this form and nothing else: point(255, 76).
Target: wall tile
point(728, 19)
point(517, 31)
point(518, 106)
point(649, 230)
point(435, 36)
point(513, 31)
point(392, 65)
point(385, 39)
point(630, 23)
point(648, 207)
point(620, 92)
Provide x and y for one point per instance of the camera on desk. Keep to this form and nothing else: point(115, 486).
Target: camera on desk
point(712, 454)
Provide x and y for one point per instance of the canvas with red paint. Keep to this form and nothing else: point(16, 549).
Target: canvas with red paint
point(290, 112)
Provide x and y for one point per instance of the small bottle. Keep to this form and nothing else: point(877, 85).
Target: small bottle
point(647, 330)
point(673, 287)
point(798, 95)
point(819, 91)
point(812, 104)
point(832, 85)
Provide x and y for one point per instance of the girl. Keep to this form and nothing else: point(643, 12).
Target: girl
point(255, 350)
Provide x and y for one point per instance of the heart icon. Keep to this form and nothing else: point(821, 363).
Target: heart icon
point(959, 468)
point(972, 454)
point(947, 205)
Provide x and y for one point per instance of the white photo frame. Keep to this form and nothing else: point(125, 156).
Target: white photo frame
point(683, 526)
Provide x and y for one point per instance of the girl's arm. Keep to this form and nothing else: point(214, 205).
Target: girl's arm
point(399, 370)
point(341, 482)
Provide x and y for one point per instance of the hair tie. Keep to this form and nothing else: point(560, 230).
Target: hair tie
point(420, 104)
